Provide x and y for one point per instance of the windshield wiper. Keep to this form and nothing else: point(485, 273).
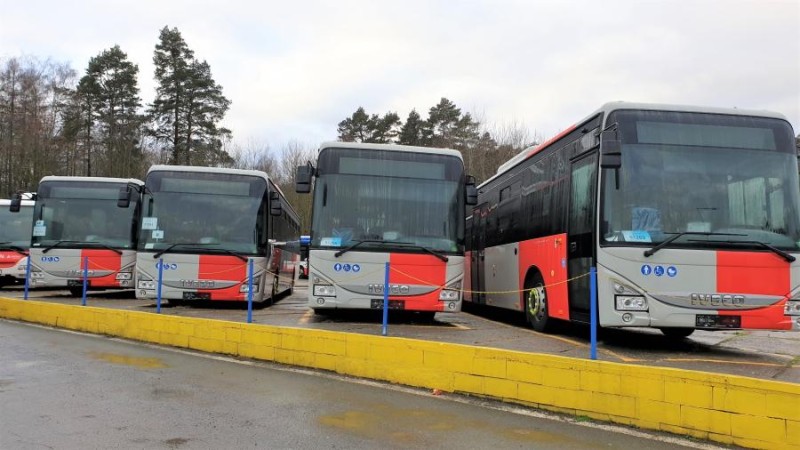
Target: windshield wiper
point(47, 249)
point(220, 250)
point(402, 244)
point(171, 246)
point(8, 246)
point(779, 252)
point(648, 253)
point(347, 249)
point(98, 244)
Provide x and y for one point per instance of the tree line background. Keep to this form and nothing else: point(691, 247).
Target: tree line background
point(53, 122)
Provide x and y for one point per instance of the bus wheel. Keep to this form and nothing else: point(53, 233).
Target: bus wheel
point(76, 291)
point(536, 304)
point(677, 333)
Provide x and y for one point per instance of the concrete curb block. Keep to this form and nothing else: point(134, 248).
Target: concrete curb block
point(724, 408)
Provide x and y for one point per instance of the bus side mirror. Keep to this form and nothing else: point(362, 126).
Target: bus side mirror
point(302, 180)
point(275, 208)
point(471, 192)
point(16, 203)
point(610, 150)
point(124, 198)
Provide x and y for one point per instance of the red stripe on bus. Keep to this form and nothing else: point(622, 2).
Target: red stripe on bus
point(102, 260)
point(547, 143)
point(9, 259)
point(425, 270)
point(549, 255)
point(222, 267)
point(758, 273)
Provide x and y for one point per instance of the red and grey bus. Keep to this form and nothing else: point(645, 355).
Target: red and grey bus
point(15, 239)
point(381, 203)
point(690, 215)
point(75, 220)
point(202, 226)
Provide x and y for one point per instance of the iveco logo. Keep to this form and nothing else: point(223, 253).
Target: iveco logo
point(198, 284)
point(50, 259)
point(78, 272)
point(393, 289)
point(717, 300)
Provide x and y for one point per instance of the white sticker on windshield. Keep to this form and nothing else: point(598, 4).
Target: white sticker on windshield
point(149, 245)
point(331, 242)
point(149, 223)
point(39, 230)
point(158, 234)
point(637, 236)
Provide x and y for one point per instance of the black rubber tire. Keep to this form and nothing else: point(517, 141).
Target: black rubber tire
point(76, 291)
point(536, 309)
point(677, 333)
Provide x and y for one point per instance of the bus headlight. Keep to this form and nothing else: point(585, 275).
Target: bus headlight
point(146, 284)
point(324, 290)
point(792, 308)
point(124, 276)
point(630, 303)
point(244, 287)
point(446, 295)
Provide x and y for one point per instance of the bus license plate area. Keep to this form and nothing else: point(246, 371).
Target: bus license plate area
point(717, 322)
point(377, 303)
point(197, 296)
point(78, 283)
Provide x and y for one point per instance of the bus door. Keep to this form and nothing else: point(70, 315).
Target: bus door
point(580, 229)
point(477, 255)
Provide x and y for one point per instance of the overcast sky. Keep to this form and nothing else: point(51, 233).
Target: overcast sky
point(294, 69)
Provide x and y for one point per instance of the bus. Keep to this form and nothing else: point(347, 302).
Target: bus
point(382, 203)
point(690, 216)
point(76, 219)
point(15, 240)
point(201, 226)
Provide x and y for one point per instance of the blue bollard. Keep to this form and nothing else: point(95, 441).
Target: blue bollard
point(158, 289)
point(27, 276)
point(85, 279)
point(250, 292)
point(384, 328)
point(593, 311)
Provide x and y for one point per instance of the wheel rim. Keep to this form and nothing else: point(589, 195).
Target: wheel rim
point(537, 306)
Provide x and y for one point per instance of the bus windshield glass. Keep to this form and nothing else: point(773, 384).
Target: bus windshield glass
point(196, 210)
point(80, 212)
point(380, 197)
point(15, 228)
point(722, 181)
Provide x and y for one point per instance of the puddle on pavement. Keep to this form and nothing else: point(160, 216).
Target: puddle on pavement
point(133, 361)
point(382, 422)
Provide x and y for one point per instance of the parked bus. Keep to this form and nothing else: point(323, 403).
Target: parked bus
point(379, 203)
point(15, 240)
point(689, 214)
point(205, 224)
point(77, 218)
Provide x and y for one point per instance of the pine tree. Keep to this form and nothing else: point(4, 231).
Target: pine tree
point(375, 129)
point(189, 105)
point(355, 128)
point(110, 97)
point(413, 130)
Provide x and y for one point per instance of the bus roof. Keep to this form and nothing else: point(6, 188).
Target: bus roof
point(392, 148)
point(92, 179)
point(610, 107)
point(202, 169)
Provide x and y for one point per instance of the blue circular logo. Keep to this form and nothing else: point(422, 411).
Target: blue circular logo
point(659, 271)
point(346, 267)
point(646, 270)
point(356, 268)
point(167, 266)
point(337, 267)
point(51, 259)
point(672, 271)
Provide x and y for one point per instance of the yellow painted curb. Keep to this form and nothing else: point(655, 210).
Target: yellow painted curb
point(724, 408)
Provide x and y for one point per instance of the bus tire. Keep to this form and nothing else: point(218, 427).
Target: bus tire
point(536, 310)
point(75, 291)
point(677, 333)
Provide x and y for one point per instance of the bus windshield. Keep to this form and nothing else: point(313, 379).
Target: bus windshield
point(15, 228)
point(725, 181)
point(197, 210)
point(383, 197)
point(80, 212)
